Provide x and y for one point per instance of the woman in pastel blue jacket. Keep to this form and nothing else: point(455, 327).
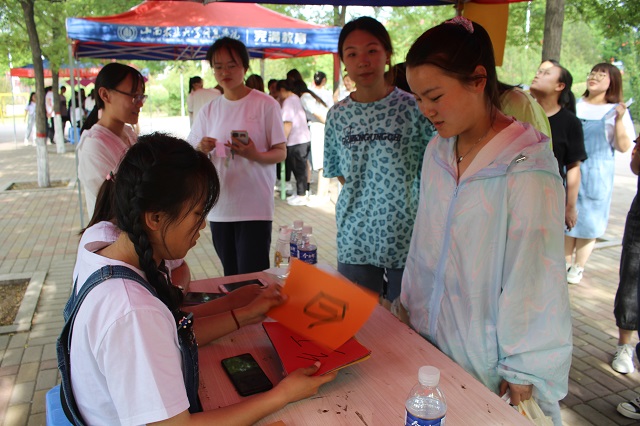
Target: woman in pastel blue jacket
point(485, 279)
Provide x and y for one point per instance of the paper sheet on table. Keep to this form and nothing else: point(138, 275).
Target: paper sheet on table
point(325, 308)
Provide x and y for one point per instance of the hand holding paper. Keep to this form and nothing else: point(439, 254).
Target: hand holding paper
point(323, 307)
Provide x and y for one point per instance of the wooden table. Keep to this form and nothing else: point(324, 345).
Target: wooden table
point(372, 392)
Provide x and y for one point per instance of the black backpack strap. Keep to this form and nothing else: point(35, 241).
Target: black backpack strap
point(63, 345)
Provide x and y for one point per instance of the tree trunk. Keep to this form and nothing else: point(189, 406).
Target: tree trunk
point(339, 17)
point(554, 18)
point(41, 118)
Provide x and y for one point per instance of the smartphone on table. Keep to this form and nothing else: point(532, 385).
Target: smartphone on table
point(228, 288)
point(241, 135)
point(198, 297)
point(246, 375)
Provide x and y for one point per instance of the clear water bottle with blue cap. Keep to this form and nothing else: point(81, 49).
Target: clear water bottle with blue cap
point(426, 404)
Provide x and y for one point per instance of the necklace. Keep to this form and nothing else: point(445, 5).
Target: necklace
point(461, 157)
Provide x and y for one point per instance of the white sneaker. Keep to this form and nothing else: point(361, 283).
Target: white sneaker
point(318, 200)
point(623, 359)
point(298, 200)
point(574, 275)
point(630, 409)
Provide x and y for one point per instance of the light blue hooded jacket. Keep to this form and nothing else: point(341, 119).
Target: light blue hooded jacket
point(485, 279)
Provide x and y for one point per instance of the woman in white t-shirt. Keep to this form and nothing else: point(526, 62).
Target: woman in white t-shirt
point(119, 93)
point(30, 116)
point(241, 221)
point(127, 338)
point(607, 128)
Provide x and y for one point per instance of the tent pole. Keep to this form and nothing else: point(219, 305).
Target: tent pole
point(72, 117)
point(181, 94)
point(459, 7)
point(262, 68)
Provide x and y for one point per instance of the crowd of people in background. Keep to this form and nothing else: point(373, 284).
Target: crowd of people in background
point(467, 204)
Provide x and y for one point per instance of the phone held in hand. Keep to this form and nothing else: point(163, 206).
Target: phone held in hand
point(246, 375)
point(228, 288)
point(241, 135)
point(199, 297)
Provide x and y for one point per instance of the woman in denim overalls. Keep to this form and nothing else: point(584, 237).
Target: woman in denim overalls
point(126, 337)
point(607, 128)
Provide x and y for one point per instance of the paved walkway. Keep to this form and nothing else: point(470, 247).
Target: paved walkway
point(39, 233)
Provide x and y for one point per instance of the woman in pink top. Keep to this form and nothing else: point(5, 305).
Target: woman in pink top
point(120, 95)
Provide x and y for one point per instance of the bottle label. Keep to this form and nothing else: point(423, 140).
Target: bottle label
point(411, 420)
point(294, 250)
point(308, 256)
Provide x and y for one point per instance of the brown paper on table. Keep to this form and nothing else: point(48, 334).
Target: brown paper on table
point(322, 307)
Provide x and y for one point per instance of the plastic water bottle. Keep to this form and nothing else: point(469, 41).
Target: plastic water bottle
point(307, 247)
point(295, 235)
point(283, 250)
point(426, 404)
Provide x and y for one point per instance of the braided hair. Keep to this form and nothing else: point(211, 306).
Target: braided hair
point(161, 173)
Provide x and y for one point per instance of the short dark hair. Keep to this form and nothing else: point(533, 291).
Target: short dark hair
point(234, 47)
point(370, 25)
point(109, 77)
point(318, 77)
point(614, 91)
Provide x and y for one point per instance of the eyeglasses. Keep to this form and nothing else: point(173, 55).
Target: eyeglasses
point(597, 76)
point(231, 66)
point(135, 99)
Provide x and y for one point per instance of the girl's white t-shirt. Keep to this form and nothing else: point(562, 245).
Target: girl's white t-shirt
point(246, 187)
point(126, 366)
point(587, 111)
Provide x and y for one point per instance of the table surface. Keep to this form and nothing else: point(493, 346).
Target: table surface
point(372, 392)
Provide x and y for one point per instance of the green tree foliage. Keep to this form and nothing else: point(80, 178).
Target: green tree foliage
point(594, 31)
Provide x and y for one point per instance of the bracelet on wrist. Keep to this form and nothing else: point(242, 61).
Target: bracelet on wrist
point(233, 315)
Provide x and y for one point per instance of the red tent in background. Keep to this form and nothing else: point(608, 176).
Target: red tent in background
point(87, 71)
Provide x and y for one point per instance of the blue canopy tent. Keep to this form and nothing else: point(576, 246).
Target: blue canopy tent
point(177, 30)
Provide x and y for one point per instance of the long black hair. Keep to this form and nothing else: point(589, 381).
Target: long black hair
point(299, 87)
point(194, 80)
point(457, 47)
point(161, 173)
point(109, 77)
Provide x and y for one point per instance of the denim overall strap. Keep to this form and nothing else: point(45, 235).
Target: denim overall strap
point(63, 345)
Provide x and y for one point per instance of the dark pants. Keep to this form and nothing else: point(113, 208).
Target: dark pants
point(626, 302)
point(373, 278)
point(50, 129)
point(242, 247)
point(297, 156)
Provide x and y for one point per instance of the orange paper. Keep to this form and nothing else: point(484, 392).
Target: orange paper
point(322, 307)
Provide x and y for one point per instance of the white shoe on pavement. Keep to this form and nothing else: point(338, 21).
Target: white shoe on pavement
point(623, 359)
point(630, 409)
point(297, 200)
point(318, 200)
point(574, 275)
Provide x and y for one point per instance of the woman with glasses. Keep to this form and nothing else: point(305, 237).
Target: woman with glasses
point(241, 220)
point(119, 95)
point(607, 128)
